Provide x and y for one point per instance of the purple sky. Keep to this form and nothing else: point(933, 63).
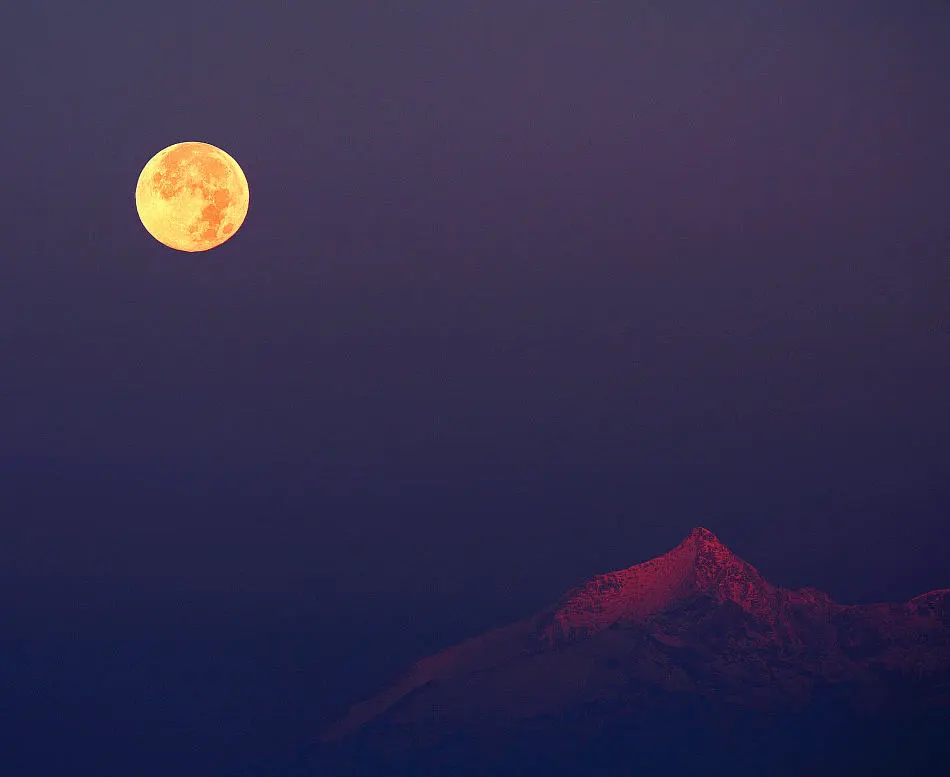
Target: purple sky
point(526, 291)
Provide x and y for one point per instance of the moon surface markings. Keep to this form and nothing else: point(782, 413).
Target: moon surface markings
point(192, 196)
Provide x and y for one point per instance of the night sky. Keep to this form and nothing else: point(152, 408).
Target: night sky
point(526, 291)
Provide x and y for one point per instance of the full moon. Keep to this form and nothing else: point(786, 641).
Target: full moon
point(191, 196)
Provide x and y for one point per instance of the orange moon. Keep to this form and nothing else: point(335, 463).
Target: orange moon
point(191, 196)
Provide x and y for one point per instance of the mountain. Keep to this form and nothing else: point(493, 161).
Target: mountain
point(658, 668)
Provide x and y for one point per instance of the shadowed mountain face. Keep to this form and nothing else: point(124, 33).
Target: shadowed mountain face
point(658, 668)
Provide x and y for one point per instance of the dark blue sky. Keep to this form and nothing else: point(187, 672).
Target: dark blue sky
point(526, 291)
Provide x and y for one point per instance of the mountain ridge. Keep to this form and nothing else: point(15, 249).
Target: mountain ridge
point(697, 620)
point(700, 564)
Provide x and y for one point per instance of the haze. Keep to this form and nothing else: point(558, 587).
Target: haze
point(530, 290)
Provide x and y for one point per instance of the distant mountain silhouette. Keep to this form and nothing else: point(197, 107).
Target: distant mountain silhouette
point(688, 663)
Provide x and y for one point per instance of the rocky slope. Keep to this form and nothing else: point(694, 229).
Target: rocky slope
point(691, 641)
